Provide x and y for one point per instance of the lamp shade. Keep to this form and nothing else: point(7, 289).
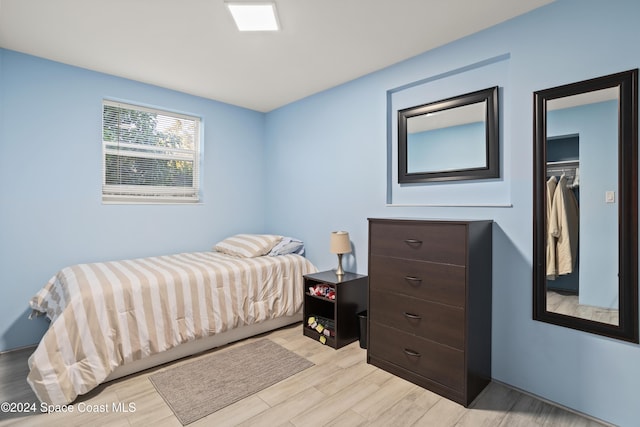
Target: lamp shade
point(340, 243)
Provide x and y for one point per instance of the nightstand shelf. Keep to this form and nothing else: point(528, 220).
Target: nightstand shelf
point(350, 292)
point(320, 298)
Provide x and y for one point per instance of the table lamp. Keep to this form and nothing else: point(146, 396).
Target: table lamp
point(340, 244)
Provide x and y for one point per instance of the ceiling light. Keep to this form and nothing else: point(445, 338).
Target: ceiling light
point(254, 16)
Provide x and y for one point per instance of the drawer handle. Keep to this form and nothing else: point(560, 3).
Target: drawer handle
point(413, 242)
point(412, 316)
point(413, 279)
point(411, 353)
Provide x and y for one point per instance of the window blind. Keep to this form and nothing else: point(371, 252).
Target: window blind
point(149, 155)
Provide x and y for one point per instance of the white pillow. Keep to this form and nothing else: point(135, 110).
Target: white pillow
point(247, 245)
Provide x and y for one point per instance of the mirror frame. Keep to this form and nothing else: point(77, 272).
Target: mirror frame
point(627, 328)
point(492, 140)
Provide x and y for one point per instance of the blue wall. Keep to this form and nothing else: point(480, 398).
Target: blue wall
point(329, 170)
point(51, 174)
point(318, 165)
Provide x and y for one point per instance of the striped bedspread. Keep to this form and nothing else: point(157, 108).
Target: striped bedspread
point(104, 315)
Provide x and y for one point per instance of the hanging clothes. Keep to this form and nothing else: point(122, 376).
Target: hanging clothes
point(551, 240)
point(564, 227)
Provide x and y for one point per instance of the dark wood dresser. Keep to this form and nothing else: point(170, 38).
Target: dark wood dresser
point(429, 316)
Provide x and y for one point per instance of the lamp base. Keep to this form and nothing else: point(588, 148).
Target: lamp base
point(340, 271)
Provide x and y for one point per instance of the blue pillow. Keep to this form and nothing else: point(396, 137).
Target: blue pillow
point(288, 245)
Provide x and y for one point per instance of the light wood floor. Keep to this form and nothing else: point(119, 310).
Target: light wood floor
point(569, 305)
point(340, 390)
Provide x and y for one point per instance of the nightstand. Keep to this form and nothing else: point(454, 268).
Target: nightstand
point(334, 303)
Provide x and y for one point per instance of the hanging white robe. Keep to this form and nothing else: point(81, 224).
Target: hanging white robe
point(563, 225)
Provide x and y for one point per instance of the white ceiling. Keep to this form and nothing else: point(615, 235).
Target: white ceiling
point(193, 45)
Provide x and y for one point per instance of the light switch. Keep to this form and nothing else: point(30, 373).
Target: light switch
point(610, 196)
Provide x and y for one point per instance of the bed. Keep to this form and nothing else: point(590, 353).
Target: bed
point(115, 318)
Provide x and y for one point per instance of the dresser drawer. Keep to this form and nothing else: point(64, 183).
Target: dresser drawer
point(443, 283)
point(437, 322)
point(426, 358)
point(445, 243)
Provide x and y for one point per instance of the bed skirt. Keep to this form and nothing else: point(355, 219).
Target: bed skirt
point(204, 344)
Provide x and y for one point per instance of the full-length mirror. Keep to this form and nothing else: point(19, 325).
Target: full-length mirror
point(452, 139)
point(585, 271)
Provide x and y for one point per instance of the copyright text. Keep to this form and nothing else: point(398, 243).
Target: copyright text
point(82, 407)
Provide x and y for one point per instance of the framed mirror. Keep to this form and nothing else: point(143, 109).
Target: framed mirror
point(585, 206)
point(452, 139)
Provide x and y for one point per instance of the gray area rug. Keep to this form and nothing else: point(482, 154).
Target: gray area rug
point(199, 388)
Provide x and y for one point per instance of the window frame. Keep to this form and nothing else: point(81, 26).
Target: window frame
point(151, 194)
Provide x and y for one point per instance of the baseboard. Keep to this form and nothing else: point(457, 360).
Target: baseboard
point(15, 350)
point(552, 403)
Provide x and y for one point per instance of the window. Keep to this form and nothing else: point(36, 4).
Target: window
point(149, 155)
